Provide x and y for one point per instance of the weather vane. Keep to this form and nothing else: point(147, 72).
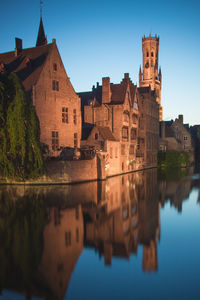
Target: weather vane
point(41, 3)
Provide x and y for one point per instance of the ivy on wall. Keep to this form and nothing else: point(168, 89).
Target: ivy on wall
point(20, 148)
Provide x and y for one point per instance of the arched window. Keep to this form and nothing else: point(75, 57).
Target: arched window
point(126, 116)
point(133, 133)
point(96, 136)
point(151, 53)
point(147, 53)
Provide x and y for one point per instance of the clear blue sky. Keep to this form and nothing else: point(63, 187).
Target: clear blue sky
point(104, 38)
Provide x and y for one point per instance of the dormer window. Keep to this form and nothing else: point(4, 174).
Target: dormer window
point(55, 67)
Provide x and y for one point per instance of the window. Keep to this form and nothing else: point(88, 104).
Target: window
point(134, 118)
point(75, 140)
point(125, 133)
point(55, 140)
point(68, 238)
point(64, 114)
point(74, 116)
point(55, 67)
point(96, 136)
point(126, 117)
point(147, 54)
point(55, 85)
point(133, 133)
point(152, 54)
point(138, 144)
point(185, 138)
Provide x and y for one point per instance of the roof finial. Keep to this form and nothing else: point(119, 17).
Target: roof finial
point(41, 3)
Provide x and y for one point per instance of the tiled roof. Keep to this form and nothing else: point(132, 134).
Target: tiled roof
point(27, 65)
point(105, 133)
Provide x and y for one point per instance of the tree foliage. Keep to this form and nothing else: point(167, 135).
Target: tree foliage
point(20, 149)
point(173, 159)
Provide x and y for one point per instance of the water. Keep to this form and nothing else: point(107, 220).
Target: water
point(135, 236)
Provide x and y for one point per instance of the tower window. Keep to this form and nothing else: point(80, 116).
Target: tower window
point(152, 54)
point(96, 136)
point(147, 54)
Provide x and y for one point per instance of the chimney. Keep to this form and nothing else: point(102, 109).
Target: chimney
point(18, 46)
point(180, 117)
point(106, 93)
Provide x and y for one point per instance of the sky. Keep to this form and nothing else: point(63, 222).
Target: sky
point(103, 38)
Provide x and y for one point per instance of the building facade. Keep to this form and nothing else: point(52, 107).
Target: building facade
point(175, 136)
point(44, 78)
point(130, 115)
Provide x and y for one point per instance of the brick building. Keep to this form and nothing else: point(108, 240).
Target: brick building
point(175, 136)
point(44, 78)
point(128, 113)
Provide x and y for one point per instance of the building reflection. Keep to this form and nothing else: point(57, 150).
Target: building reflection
point(177, 190)
point(128, 216)
point(63, 244)
point(113, 217)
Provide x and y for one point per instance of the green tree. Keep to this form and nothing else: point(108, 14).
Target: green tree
point(20, 149)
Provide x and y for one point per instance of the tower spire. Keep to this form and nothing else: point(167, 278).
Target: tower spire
point(41, 3)
point(41, 38)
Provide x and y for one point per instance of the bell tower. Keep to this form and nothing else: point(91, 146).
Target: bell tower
point(149, 75)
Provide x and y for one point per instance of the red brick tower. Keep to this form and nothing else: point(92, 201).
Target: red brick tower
point(150, 76)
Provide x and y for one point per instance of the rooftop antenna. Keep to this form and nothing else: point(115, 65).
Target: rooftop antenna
point(41, 3)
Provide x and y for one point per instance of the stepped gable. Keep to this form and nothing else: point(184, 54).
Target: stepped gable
point(118, 92)
point(27, 65)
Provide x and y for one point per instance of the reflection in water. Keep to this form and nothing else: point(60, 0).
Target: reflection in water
point(43, 230)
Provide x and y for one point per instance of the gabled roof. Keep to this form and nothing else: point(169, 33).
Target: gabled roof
point(105, 133)
point(27, 65)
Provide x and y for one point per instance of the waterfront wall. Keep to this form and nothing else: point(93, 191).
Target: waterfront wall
point(76, 171)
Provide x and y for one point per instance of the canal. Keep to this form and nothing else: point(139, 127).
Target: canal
point(135, 236)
